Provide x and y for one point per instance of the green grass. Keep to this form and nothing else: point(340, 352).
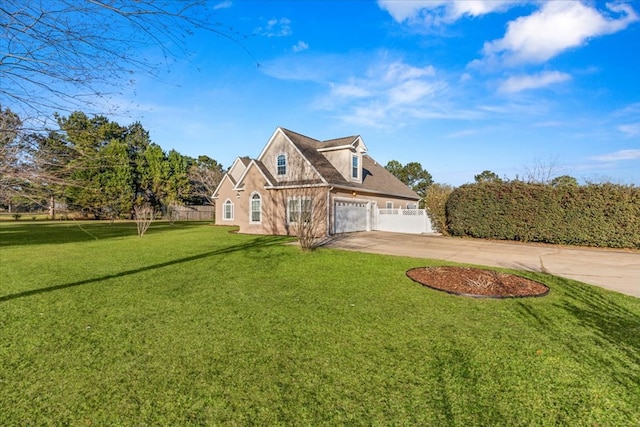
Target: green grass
point(192, 325)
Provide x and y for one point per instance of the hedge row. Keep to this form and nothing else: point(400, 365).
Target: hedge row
point(605, 215)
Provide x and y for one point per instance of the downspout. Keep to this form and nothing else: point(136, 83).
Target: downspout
point(328, 230)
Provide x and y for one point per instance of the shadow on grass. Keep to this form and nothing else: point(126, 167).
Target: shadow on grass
point(20, 234)
point(613, 325)
point(253, 245)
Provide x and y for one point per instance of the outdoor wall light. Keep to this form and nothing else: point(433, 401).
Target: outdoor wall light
point(354, 194)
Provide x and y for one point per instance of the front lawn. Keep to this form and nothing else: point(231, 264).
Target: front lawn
point(192, 325)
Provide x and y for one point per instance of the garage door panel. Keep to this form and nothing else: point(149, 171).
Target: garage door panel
point(350, 217)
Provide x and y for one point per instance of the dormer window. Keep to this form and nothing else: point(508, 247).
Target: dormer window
point(282, 164)
point(355, 167)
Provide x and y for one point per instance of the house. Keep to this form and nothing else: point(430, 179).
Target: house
point(335, 184)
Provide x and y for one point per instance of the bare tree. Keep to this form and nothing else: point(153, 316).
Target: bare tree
point(306, 214)
point(300, 201)
point(143, 216)
point(205, 175)
point(542, 171)
point(67, 54)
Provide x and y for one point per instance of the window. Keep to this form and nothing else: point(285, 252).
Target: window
point(256, 208)
point(227, 210)
point(299, 210)
point(282, 164)
point(389, 205)
point(355, 170)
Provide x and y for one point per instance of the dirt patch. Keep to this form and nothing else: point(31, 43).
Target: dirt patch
point(477, 282)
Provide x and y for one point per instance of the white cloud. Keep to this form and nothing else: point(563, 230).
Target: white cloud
point(275, 28)
point(463, 133)
point(223, 5)
point(556, 27)
point(630, 129)
point(399, 71)
point(618, 155)
point(536, 81)
point(300, 46)
point(410, 91)
point(387, 94)
point(436, 12)
point(629, 110)
point(348, 90)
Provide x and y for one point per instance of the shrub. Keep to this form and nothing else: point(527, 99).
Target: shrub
point(435, 203)
point(593, 215)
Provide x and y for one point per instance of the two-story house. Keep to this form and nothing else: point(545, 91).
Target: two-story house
point(335, 182)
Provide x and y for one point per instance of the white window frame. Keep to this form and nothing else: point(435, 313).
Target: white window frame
point(297, 203)
point(227, 203)
point(355, 168)
point(389, 205)
point(253, 198)
point(283, 155)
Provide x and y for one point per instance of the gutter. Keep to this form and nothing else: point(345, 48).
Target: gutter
point(366, 190)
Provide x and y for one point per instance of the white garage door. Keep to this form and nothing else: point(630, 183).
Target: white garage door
point(349, 217)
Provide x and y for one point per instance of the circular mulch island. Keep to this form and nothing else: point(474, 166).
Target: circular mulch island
point(476, 282)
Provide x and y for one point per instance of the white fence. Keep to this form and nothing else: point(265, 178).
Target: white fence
point(413, 221)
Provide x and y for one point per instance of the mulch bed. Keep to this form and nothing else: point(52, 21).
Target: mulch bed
point(477, 282)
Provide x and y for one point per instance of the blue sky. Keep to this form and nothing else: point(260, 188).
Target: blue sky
point(461, 87)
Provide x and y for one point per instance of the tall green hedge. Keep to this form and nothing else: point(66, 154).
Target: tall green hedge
point(606, 215)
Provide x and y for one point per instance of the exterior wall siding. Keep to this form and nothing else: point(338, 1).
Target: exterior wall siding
point(297, 167)
point(226, 192)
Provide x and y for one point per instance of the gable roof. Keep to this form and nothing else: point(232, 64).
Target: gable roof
point(308, 147)
point(226, 176)
point(261, 168)
point(375, 178)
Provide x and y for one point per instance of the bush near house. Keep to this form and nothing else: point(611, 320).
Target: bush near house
point(604, 215)
point(435, 201)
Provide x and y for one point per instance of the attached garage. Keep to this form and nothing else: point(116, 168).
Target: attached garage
point(364, 215)
point(350, 216)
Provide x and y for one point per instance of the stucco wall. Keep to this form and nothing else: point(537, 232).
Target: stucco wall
point(225, 192)
point(297, 167)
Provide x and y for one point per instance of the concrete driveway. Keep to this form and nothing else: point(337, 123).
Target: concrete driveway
point(617, 270)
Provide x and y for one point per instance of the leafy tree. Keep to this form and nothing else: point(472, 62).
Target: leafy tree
point(93, 152)
point(115, 181)
point(94, 166)
point(178, 186)
point(397, 169)
point(487, 176)
point(412, 174)
point(153, 172)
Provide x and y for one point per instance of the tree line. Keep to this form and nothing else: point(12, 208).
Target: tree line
point(97, 167)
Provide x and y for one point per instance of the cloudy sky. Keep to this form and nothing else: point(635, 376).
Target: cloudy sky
point(461, 87)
